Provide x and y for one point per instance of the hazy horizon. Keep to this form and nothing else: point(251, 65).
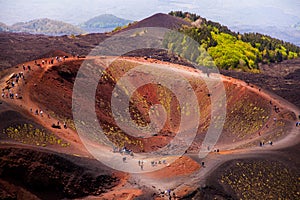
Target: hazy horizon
point(272, 17)
point(230, 13)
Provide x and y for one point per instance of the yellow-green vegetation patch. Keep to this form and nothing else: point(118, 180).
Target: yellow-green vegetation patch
point(119, 138)
point(261, 179)
point(227, 49)
point(29, 134)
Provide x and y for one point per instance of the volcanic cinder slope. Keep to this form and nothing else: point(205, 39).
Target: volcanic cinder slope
point(250, 119)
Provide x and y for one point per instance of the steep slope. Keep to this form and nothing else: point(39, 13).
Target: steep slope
point(160, 20)
point(247, 113)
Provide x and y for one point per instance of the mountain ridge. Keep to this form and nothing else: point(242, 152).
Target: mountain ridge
point(43, 26)
point(102, 22)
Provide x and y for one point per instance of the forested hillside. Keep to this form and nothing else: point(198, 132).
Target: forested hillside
point(230, 50)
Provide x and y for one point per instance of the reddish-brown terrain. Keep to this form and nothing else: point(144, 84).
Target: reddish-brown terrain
point(249, 120)
point(40, 159)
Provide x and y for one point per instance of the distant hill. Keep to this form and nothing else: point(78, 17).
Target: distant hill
point(43, 26)
point(288, 33)
point(227, 49)
point(3, 27)
point(102, 23)
point(297, 26)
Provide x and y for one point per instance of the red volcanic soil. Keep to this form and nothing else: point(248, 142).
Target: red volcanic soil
point(54, 53)
point(249, 112)
point(279, 78)
point(183, 166)
point(249, 119)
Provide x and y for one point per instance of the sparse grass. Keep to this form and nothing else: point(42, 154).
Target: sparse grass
point(247, 115)
point(28, 134)
point(119, 138)
point(261, 179)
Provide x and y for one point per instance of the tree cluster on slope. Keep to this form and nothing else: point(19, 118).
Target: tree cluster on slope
point(230, 50)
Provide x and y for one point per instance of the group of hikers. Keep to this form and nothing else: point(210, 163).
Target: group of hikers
point(39, 112)
point(50, 62)
point(263, 143)
point(168, 193)
point(8, 91)
point(125, 151)
point(10, 94)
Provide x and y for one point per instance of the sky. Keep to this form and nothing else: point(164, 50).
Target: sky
point(227, 12)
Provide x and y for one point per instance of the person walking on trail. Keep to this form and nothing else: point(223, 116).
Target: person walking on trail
point(65, 125)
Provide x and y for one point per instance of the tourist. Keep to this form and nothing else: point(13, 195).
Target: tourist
point(65, 125)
